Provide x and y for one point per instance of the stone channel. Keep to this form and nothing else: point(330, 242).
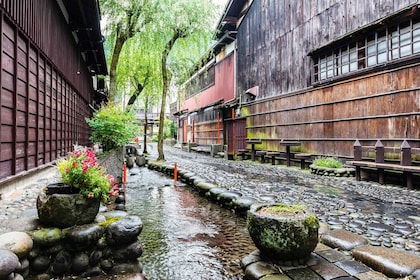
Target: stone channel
point(387, 218)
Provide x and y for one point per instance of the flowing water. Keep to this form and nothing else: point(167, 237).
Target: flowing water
point(184, 235)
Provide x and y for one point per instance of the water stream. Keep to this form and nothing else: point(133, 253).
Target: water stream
point(184, 236)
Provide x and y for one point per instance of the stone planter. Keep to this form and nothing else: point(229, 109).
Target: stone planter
point(286, 233)
point(332, 172)
point(62, 206)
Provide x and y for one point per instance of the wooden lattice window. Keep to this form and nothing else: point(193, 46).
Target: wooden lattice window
point(377, 48)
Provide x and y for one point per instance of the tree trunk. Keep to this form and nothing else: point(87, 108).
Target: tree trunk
point(119, 42)
point(134, 97)
point(165, 87)
point(146, 108)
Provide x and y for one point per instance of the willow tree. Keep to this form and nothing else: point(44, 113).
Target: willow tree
point(169, 34)
point(139, 71)
point(124, 19)
point(185, 28)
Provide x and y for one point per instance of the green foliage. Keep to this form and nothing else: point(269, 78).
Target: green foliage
point(169, 129)
point(80, 170)
point(329, 162)
point(112, 127)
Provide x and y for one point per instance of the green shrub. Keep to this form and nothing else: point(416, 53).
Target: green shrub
point(329, 162)
point(169, 129)
point(112, 127)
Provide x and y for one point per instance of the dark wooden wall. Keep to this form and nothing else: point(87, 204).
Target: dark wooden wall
point(327, 120)
point(43, 101)
point(274, 40)
point(275, 37)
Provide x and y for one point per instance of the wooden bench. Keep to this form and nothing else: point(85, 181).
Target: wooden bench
point(405, 166)
point(243, 153)
point(303, 157)
point(261, 154)
point(272, 156)
point(201, 149)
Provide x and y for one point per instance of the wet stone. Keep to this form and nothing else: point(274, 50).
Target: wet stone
point(343, 239)
point(85, 235)
point(8, 263)
point(47, 236)
point(303, 274)
point(375, 243)
point(391, 262)
point(374, 233)
point(215, 192)
point(94, 271)
point(352, 267)
point(249, 259)
point(80, 263)
point(328, 270)
point(333, 255)
point(62, 263)
point(371, 275)
point(379, 227)
point(130, 252)
point(227, 197)
point(205, 186)
point(124, 231)
point(19, 243)
point(40, 263)
point(258, 270)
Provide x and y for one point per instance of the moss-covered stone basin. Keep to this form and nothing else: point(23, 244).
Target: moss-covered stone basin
point(283, 232)
point(58, 207)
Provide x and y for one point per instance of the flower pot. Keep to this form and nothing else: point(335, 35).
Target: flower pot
point(286, 235)
point(62, 206)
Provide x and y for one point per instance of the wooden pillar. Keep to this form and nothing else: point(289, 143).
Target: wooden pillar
point(379, 158)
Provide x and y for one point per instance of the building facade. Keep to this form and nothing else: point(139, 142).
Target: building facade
point(51, 54)
point(324, 73)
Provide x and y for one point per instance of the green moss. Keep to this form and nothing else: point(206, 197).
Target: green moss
point(329, 162)
point(109, 221)
point(312, 222)
point(284, 208)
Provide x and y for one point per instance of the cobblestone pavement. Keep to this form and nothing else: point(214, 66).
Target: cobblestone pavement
point(387, 215)
point(18, 198)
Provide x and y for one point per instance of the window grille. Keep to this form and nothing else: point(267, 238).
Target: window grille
point(387, 45)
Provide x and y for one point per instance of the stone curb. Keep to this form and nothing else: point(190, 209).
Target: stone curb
point(332, 259)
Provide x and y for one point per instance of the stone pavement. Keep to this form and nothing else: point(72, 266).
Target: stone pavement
point(353, 213)
point(367, 227)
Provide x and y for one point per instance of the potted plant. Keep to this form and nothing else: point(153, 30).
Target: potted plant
point(283, 232)
point(330, 166)
point(77, 198)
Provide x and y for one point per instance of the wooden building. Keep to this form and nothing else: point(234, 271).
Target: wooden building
point(201, 115)
point(325, 73)
point(51, 54)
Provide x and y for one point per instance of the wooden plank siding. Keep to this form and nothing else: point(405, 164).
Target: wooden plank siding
point(43, 102)
point(327, 120)
point(206, 121)
point(274, 41)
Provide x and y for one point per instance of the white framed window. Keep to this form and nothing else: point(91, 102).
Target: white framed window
point(378, 47)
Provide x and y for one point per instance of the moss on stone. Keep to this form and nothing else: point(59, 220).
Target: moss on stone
point(109, 221)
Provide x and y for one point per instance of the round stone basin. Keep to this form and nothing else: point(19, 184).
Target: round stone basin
point(58, 207)
point(283, 232)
